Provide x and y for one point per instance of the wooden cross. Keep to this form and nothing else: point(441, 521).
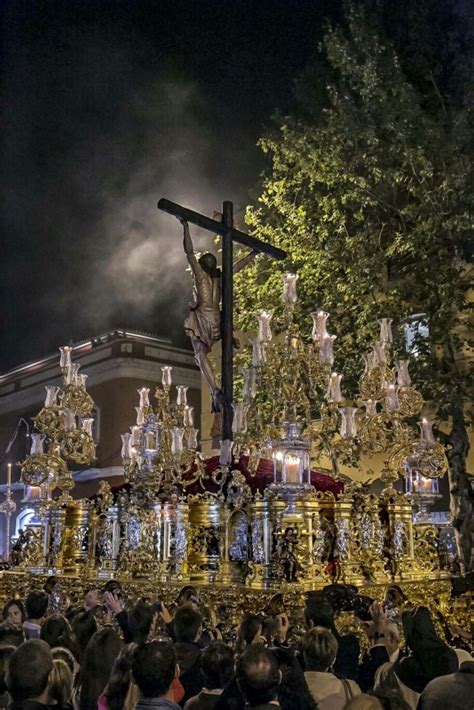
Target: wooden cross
point(229, 235)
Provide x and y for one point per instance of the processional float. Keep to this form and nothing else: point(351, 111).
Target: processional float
point(258, 518)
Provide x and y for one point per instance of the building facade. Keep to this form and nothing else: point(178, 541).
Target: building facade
point(117, 364)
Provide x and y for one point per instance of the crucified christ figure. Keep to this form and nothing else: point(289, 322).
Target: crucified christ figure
point(203, 324)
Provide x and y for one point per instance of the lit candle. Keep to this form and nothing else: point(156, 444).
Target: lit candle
point(380, 354)
point(292, 469)
point(348, 423)
point(289, 288)
point(188, 416)
point(326, 354)
point(392, 403)
point(176, 440)
point(192, 440)
point(258, 352)
point(37, 442)
point(65, 357)
point(403, 376)
point(69, 419)
point(334, 390)
point(51, 396)
point(385, 330)
point(426, 428)
point(135, 435)
point(181, 398)
point(371, 361)
point(9, 475)
point(150, 440)
point(86, 425)
point(144, 396)
point(370, 407)
point(126, 445)
point(166, 379)
point(81, 380)
point(319, 324)
point(264, 329)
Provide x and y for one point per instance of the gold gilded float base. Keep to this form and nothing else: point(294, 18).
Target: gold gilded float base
point(233, 601)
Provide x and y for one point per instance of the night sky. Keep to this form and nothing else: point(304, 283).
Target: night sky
point(109, 106)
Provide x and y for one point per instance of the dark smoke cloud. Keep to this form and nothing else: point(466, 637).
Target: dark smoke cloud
point(94, 140)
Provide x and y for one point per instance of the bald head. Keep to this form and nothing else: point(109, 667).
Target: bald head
point(258, 675)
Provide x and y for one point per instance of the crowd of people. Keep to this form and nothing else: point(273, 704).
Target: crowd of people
point(110, 655)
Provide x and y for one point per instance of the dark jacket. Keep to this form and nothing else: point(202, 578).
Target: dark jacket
point(371, 662)
point(454, 691)
point(189, 661)
point(429, 657)
point(203, 701)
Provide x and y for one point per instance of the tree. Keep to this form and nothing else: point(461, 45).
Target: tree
point(372, 199)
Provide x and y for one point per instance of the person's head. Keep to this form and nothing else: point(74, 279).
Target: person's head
point(270, 628)
point(154, 667)
point(120, 678)
point(187, 624)
point(91, 599)
point(250, 629)
point(64, 654)
point(60, 686)
point(50, 584)
point(258, 675)
point(209, 263)
point(36, 605)
point(392, 637)
point(5, 653)
point(14, 611)
point(84, 626)
point(56, 631)
point(364, 702)
point(217, 664)
point(11, 635)
point(140, 620)
point(29, 671)
point(318, 611)
point(97, 663)
point(188, 595)
point(319, 647)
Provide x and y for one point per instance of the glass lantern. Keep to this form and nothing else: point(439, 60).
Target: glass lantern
point(291, 461)
point(423, 490)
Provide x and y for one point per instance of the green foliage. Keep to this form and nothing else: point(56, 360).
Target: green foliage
point(372, 199)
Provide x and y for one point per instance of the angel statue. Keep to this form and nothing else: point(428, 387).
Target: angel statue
point(203, 324)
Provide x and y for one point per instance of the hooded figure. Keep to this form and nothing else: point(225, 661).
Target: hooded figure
point(430, 657)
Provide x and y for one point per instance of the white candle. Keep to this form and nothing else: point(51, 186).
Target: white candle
point(264, 329)
point(181, 398)
point(292, 469)
point(319, 324)
point(188, 416)
point(166, 379)
point(334, 390)
point(144, 396)
point(65, 357)
point(9, 475)
point(326, 354)
point(392, 403)
point(289, 288)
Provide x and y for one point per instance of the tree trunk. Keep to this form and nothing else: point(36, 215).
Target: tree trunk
point(461, 496)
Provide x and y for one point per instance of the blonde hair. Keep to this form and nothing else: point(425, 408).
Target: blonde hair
point(60, 686)
point(319, 648)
